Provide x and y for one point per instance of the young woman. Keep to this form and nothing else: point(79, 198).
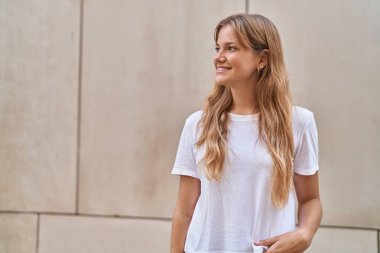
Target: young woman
point(249, 157)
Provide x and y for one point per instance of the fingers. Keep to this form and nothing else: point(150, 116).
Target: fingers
point(267, 242)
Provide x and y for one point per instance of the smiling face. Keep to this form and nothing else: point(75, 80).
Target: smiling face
point(236, 64)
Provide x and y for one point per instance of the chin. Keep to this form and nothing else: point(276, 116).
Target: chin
point(221, 82)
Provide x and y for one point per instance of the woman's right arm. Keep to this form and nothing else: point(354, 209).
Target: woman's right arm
point(188, 194)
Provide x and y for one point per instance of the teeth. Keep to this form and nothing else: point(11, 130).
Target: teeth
point(221, 68)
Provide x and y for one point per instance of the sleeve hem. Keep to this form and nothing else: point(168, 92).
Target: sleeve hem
point(307, 172)
point(302, 133)
point(184, 172)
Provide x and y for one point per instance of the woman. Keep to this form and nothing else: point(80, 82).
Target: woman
point(250, 155)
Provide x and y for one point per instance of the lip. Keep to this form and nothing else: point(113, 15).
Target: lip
point(222, 69)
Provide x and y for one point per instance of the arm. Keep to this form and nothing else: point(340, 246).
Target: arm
point(309, 218)
point(188, 194)
point(309, 205)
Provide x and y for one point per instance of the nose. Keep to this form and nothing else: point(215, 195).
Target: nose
point(219, 57)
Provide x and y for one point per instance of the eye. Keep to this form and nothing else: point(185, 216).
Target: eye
point(231, 48)
point(217, 49)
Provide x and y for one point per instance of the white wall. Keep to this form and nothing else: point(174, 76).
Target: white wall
point(94, 95)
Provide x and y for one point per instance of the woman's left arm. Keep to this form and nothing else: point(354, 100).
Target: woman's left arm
point(309, 218)
point(309, 204)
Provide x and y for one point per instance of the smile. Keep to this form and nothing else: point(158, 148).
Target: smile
point(222, 69)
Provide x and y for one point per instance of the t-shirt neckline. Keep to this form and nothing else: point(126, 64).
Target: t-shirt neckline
point(241, 117)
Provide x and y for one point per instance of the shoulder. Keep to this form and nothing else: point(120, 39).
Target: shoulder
point(191, 124)
point(194, 118)
point(301, 117)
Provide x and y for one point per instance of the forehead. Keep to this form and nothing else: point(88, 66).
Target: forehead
point(227, 34)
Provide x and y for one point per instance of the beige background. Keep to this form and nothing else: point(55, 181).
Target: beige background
point(94, 95)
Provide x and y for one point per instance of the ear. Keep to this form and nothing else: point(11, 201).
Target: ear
point(264, 58)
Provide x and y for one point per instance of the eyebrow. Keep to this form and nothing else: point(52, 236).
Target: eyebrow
point(227, 43)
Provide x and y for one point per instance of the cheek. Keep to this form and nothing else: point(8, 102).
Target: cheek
point(250, 67)
point(245, 68)
point(244, 64)
point(238, 64)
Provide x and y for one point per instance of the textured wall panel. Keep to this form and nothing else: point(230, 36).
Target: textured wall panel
point(344, 240)
point(146, 66)
point(38, 104)
point(332, 52)
point(18, 233)
point(62, 234)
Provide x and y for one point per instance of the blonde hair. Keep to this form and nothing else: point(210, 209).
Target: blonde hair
point(273, 100)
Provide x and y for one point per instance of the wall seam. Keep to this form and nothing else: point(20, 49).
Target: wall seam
point(87, 215)
point(348, 227)
point(377, 230)
point(38, 233)
point(78, 144)
point(246, 6)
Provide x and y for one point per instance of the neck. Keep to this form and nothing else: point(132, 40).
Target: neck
point(243, 101)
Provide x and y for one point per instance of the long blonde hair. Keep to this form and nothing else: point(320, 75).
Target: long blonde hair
point(273, 100)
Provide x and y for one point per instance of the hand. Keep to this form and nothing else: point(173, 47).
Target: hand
point(292, 242)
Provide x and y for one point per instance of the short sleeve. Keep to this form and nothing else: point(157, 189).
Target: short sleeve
point(306, 153)
point(185, 161)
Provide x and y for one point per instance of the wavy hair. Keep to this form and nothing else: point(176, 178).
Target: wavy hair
point(274, 103)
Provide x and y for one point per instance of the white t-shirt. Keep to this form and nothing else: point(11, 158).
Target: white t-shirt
point(230, 214)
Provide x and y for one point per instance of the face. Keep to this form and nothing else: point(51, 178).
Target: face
point(235, 64)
